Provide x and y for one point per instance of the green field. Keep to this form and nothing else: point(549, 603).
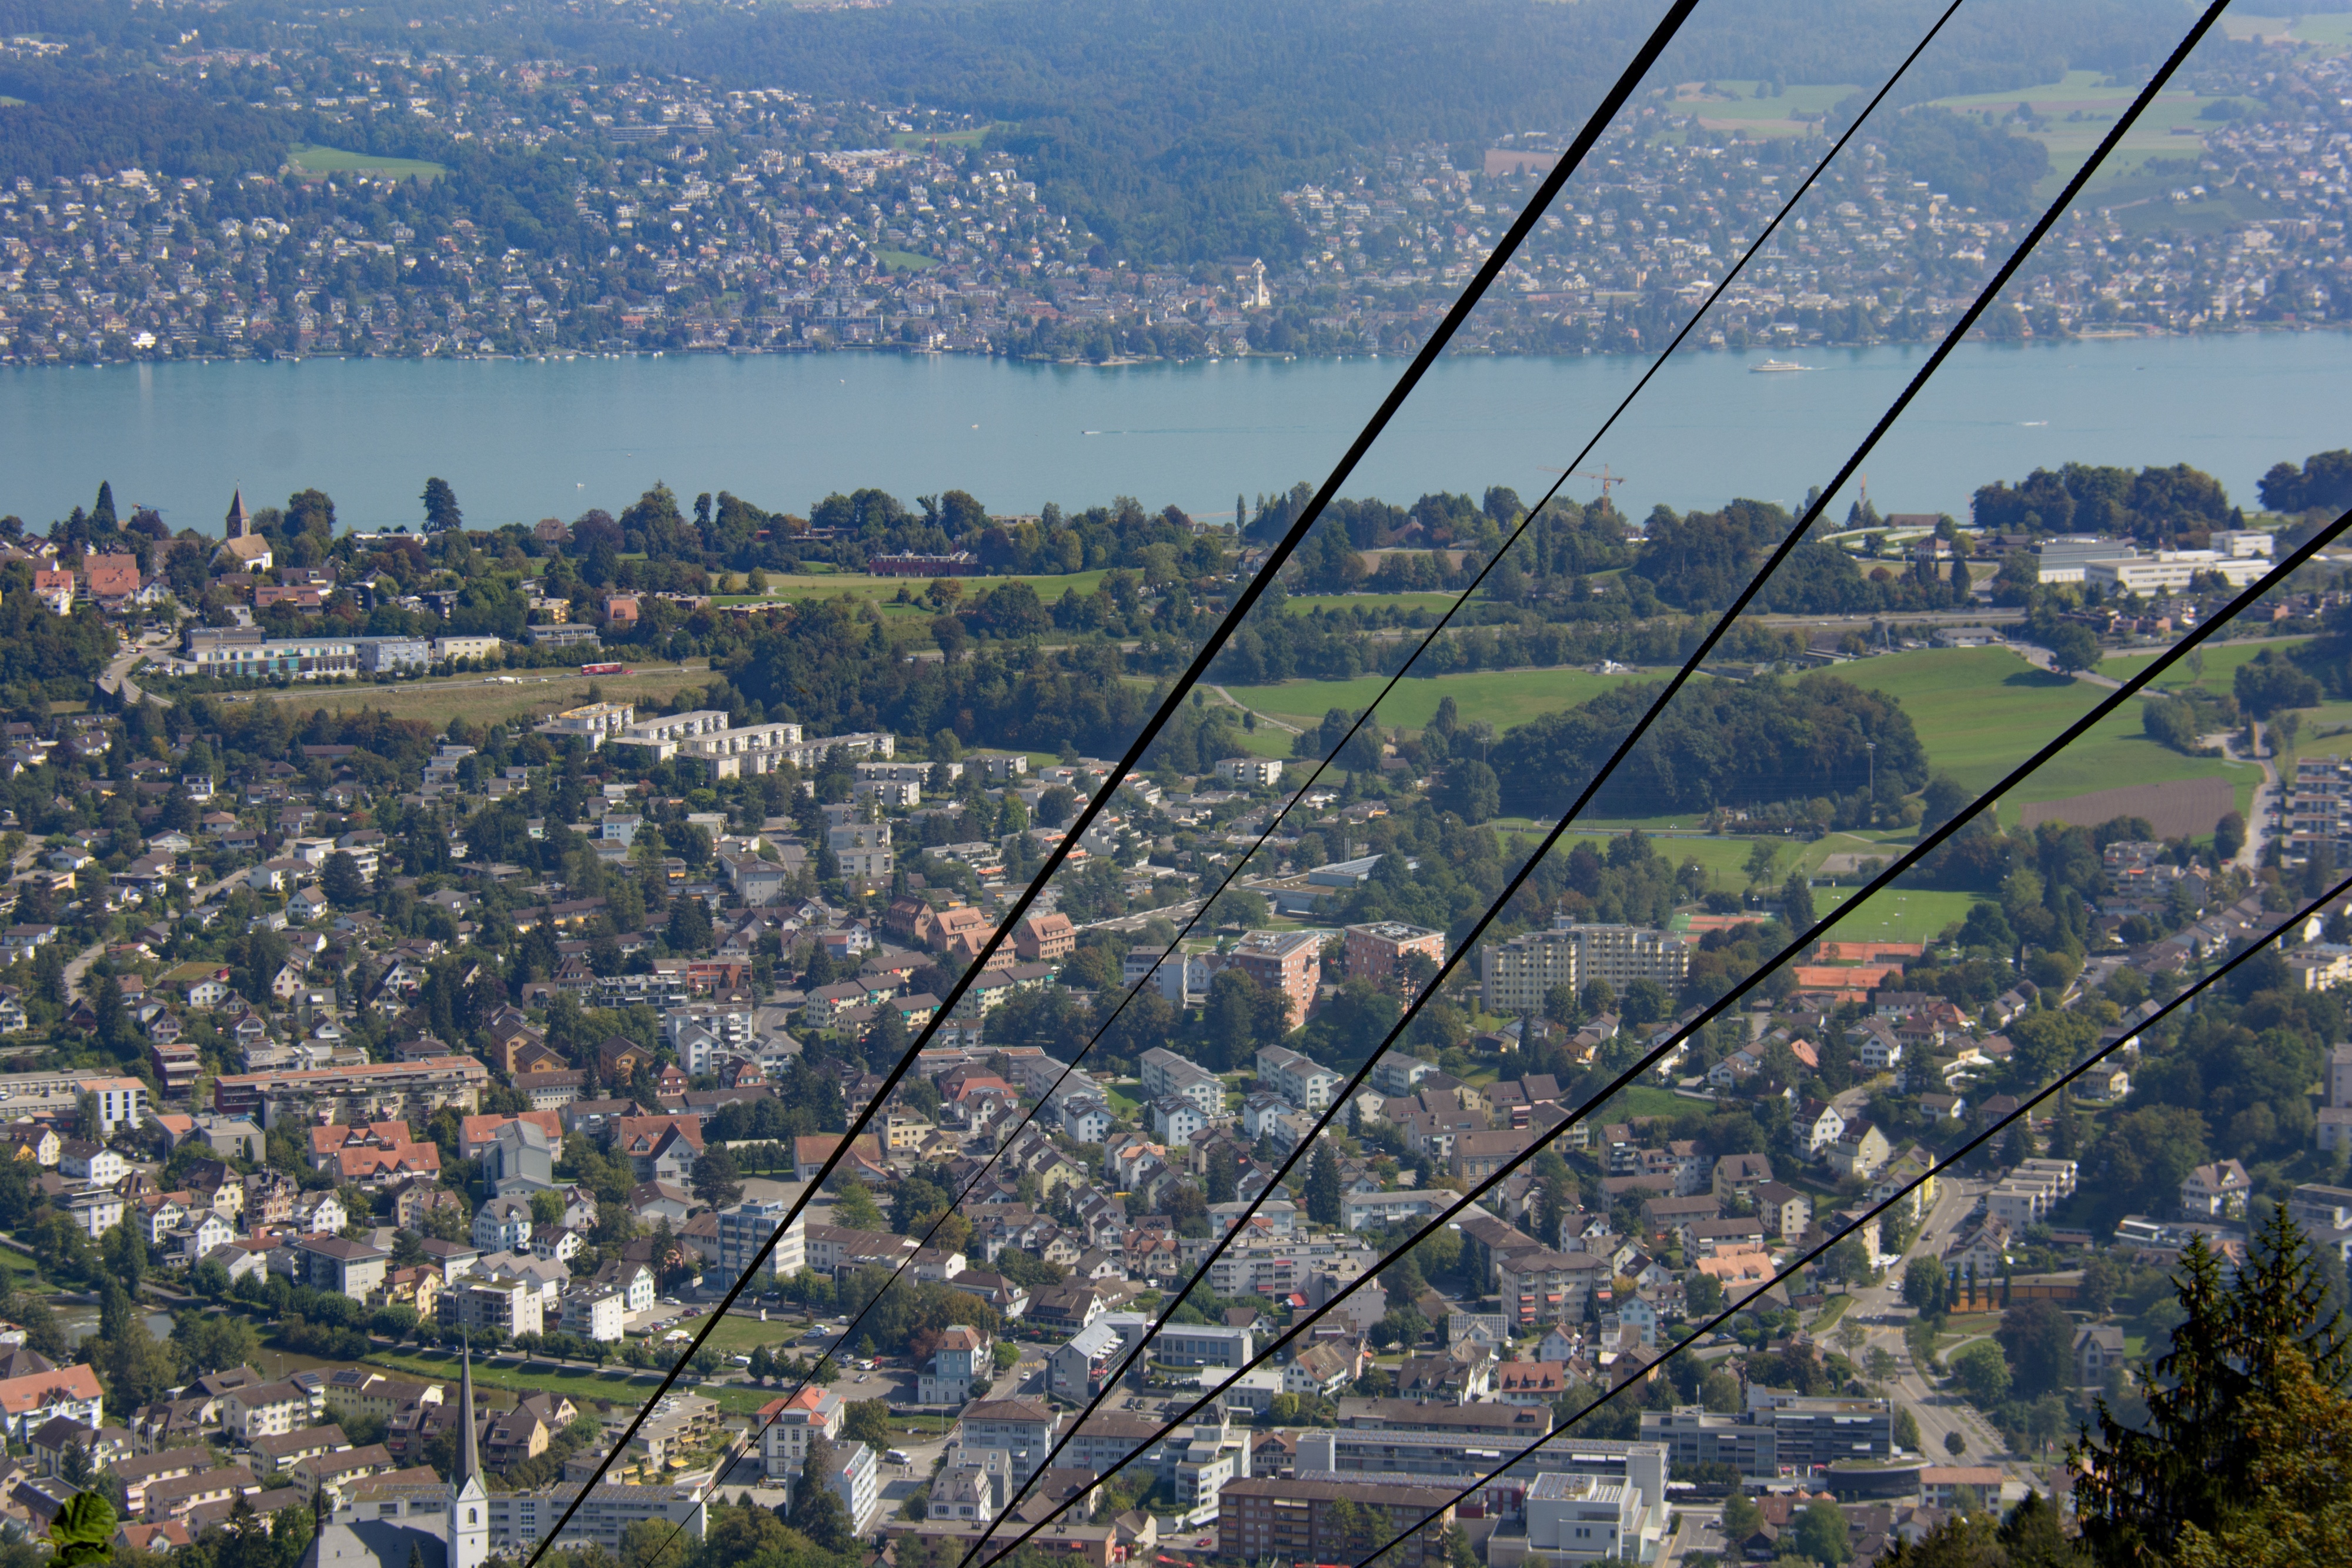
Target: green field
point(2096, 108)
point(1776, 116)
point(1502, 698)
point(905, 260)
point(1980, 712)
point(946, 138)
point(2221, 665)
point(620, 1385)
point(829, 585)
point(325, 160)
point(2329, 34)
point(466, 697)
point(1895, 915)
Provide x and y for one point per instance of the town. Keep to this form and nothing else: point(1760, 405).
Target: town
point(665, 215)
point(394, 1097)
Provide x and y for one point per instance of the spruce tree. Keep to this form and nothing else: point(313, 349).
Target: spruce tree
point(1323, 1187)
point(2192, 1460)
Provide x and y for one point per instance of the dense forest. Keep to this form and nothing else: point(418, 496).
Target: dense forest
point(2168, 508)
point(1718, 744)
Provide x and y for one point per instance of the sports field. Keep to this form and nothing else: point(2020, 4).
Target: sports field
point(324, 161)
point(1897, 915)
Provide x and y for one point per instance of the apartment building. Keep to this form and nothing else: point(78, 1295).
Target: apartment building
point(1165, 1074)
point(594, 722)
point(407, 1092)
point(1293, 1518)
point(745, 1229)
point(518, 1521)
point(1306, 1084)
point(661, 735)
point(1379, 949)
point(1539, 1286)
point(2319, 809)
point(1516, 975)
point(1779, 1431)
point(1025, 1428)
point(1290, 963)
point(863, 849)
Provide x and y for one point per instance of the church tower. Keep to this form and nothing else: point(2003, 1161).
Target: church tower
point(469, 1505)
point(237, 526)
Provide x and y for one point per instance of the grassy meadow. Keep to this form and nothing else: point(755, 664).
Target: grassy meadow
point(321, 162)
point(537, 693)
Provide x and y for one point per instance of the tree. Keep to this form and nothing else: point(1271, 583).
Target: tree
point(853, 1207)
point(1797, 902)
point(1944, 799)
point(136, 1368)
point(2229, 837)
point(441, 514)
point(1472, 790)
point(1906, 1429)
point(1740, 1516)
point(1982, 1372)
point(1356, 1531)
point(2073, 647)
point(2038, 1339)
point(1323, 1185)
point(2199, 1454)
point(2297, 1434)
point(717, 1179)
point(816, 1510)
point(341, 881)
point(867, 1421)
point(1954, 1444)
point(690, 928)
point(1646, 1002)
point(1821, 1533)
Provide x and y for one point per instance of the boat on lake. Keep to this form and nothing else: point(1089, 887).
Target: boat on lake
point(1776, 367)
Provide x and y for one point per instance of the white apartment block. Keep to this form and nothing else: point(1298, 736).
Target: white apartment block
point(1514, 976)
point(1306, 1084)
point(661, 735)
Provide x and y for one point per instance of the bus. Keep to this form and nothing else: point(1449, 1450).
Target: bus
point(605, 670)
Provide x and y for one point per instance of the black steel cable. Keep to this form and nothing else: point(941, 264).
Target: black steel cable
point(1789, 1270)
point(1935, 360)
point(2129, 688)
point(1275, 823)
point(1546, 191)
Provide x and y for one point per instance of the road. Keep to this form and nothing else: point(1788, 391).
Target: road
point(2262, 817)
point(1879, 1308)
point(1699, 1530)
point(1264, 718)
point(78, 964)
point(2039, 658)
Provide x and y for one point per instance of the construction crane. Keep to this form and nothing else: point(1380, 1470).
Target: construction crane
point(1605, 476)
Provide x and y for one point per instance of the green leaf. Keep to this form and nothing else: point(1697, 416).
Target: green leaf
point(84, 1528)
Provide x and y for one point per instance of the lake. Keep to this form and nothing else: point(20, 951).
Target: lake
point(522, 440)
